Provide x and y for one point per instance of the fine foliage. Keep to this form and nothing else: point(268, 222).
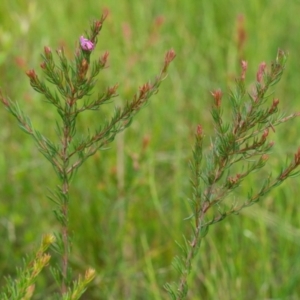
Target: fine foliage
point(23, 287)
point(238, 148)
point(71, 93)
point(130, 214)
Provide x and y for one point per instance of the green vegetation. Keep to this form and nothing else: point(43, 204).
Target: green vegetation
point(130, 206)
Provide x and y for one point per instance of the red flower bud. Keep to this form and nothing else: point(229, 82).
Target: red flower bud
point(199, 130)
point(48, 53)
point(103, 59)
point(170, 55)
point(31, 74)
point(260, 72)
point(217, 94)
point(244, 65)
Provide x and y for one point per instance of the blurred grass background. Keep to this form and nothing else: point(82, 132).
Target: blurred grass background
point(129, 203)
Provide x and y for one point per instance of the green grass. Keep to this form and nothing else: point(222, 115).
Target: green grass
point(129, 203)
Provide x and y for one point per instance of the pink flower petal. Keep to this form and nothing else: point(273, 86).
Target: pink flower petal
point(86, 44)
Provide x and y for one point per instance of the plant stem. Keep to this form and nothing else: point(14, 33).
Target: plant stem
point(65, 239)
point(65, 191)
point(194, 244)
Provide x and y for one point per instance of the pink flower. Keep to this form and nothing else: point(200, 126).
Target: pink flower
point(86, 44)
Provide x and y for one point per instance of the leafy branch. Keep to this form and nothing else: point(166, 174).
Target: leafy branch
point(240, 144)
point(69, 86)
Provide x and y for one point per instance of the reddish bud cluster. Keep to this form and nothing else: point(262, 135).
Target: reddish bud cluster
point(48, 53)
point(32, 75)
point(112, 91)
point(97, 24)
point(199, 130)
point(234, 179)
point(244, 65)
point(96, 27)
point(274, 106)
point(265, 134)
point(170, 55)
point(144, 89)
point(84, 64)
point(260, 72)
point(291, 167)
point(43, 65)
point(82, 69)
point(217, 94)
point(103, 59)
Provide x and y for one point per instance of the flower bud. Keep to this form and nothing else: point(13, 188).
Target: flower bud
point(31, 74)
point(86, 44)
point(199, 130)
point(260, 72)
point(170, 55)
point(103, 59)
point(48, 53)
point(217, 94)
point(244, 65)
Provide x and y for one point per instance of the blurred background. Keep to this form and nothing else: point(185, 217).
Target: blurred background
point(128, 204)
